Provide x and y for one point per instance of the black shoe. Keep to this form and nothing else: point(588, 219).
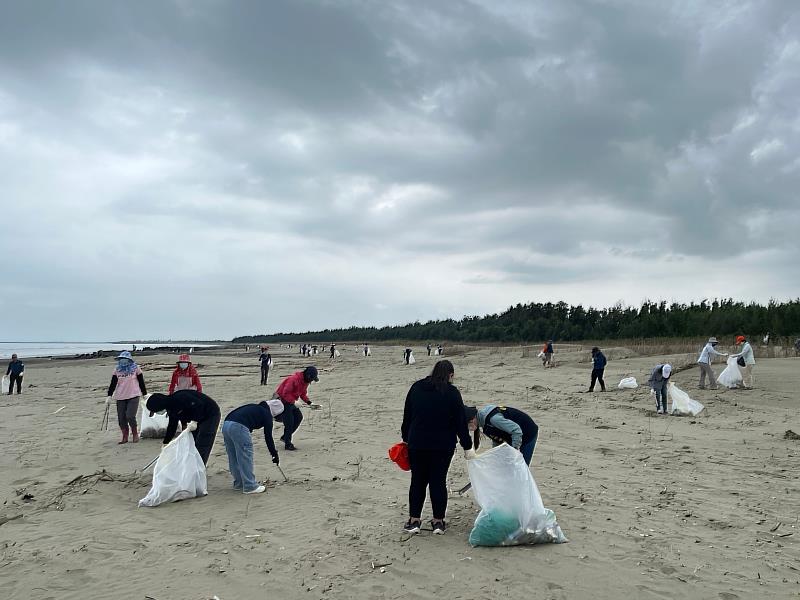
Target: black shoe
point(411, 527)
point(438, 528)
point(290, 447)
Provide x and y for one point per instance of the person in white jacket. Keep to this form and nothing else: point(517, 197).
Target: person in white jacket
point(707, 355)
point(746, 354)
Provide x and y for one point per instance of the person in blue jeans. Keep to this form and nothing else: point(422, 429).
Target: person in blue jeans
point(236, 432)
point(659, 380)
point(503, 424)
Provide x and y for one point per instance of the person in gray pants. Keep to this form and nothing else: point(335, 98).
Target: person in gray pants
point(707, 355)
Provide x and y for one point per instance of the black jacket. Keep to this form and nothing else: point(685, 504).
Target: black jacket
point(530, 429)
point(183, 406)
point(432, 419)
point(255, 416)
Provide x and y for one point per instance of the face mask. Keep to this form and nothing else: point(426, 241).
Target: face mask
point(183, 365)
point(124, 362)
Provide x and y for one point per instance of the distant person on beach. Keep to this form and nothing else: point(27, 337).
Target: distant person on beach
point(367, 350)
point(659, 378)
point(797, 347)
point(429, 349)
point(746, 361)
point(15, 373)
point(127, 386)
point(184, 406)
point(439, 350)
point(185, 376)
point(598, 368)
point(290, 390)
point(707, 355)
point(407, 356)
point(547, 359)
point(236, 432)
point(266, 363)
point(503, 424)
point(433, 417)
point(333, 351)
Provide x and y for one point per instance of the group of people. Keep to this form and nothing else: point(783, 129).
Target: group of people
point(437, 351)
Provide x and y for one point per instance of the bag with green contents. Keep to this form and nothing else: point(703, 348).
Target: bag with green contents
point(512, 512)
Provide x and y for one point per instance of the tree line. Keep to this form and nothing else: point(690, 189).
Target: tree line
point(531, 323)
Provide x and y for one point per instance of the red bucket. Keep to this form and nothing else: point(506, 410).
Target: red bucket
point(399, 455)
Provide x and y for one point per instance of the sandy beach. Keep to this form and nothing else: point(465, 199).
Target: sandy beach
point(654, 507)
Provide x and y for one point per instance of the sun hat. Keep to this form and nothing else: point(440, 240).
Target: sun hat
point(184, 358)
point(713, 340)
point(124, 354)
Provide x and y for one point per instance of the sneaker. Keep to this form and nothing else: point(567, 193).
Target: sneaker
point(438, 528)
point(411, 527)
point(259, 490)
point(290, 446)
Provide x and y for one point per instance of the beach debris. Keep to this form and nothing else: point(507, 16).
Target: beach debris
point(379, 565)
point(4, 520)
point(59, 410)
point(791, 435)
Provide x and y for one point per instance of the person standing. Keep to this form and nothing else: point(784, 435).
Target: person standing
point(15, 373)
point(333, 351)
point(367, 350)
point(429, 349)
point(598, 368)
point(439, 350)
point(746, 361)
point(433, 417)
point(659, 378)
point(266, 365)
point(184, 406)
point(290, 390)
point(547, 360)
point(707, 355)
point(503, 424)
point(127, 386)
point(407, 356)
point(185, 376)
point(236, 432)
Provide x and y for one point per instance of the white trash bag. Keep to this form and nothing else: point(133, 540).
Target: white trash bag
point(411, 359)
point(731, 377)
point(682, 404)
point(6, 384)
point(628, 383)
point(512, 512)
point(179, 472)
point(152, 427)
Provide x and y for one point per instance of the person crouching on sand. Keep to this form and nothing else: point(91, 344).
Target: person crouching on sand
point(433, 417)
point(127, 386)
point(659, 378)
point(185, 376)
point(503, 424)
point(236, 431)
point(290, 390)
point(184, 406)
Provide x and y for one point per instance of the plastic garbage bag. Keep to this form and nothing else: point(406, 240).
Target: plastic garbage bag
point(5, 384)
point(682, 404)
point(179, 473)
point(731, 376)
point(512, 512)
point(152, 427)
point(411, 359)
point(628, 383)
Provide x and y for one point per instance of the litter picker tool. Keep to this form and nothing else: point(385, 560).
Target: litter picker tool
point(285, 478)
point(464, 489)
point(104, 420)
point(150, 464)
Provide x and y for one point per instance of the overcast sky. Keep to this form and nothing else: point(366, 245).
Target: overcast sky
point(205, 169)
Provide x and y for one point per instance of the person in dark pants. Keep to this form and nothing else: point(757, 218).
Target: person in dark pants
point(266, 363)
point(598, 367)
point(290, 390)
point(659, 379)
point(504, 424)
point(15, 372)
point(236, 431)
point(407, 355)
point(429, 349)
point(185, 406)
point(433, 417)
point(333, 351)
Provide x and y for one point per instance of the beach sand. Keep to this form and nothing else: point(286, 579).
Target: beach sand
point(654, 507)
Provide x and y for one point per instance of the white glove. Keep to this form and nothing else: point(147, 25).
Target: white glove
point(108, 399)
point(191, 426)
point(470, 454)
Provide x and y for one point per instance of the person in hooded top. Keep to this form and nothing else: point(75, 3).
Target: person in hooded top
point(126, 387)
point(503, 424)
point(185, 376)
point(184, 406)
point(236, 432)
point(290, 390)
point(659, 378)
point(598, 368)
point(707, 355)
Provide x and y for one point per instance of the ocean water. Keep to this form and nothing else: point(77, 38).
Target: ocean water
point(39, 349)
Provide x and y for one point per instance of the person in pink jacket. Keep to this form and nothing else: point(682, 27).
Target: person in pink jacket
point(127, 386)
point(290, 390)
point(185, 376)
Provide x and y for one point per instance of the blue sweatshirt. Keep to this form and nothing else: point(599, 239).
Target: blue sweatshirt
point(15, 367)
point(599, 361)
point(255, 416)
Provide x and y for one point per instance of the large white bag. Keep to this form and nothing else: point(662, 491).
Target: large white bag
point(179, 473)
point(628, 383)
point(682, 404)
point(411, 359)
point(512, 512)
point(731, 376)
point(152, 427)
point(5, 384)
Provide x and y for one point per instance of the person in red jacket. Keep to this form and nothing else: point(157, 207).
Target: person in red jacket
point(185, 376)
point(290, 390)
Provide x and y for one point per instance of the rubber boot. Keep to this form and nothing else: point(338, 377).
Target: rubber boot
point(135, 434)
point(124, 436)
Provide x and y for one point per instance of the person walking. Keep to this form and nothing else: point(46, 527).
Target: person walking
point(333, 351)
point(659, 378)
point(184, 406)
point(290, 390)
point(126, 387)
point(707, 355)
point(547, 360)
point(598, 368)
point(15, 373)
point(503, 424)
point(746, 361)
point(185, 376)
point(433, 417)
point(237, 432)
point(266, 364)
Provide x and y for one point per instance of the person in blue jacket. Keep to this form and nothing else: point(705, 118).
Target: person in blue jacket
point(15, 371)
point(236, 431)
point(598, 366)
point(503, 424)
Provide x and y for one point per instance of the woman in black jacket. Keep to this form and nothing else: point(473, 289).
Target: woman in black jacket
point(185, 406)
point(432, 418)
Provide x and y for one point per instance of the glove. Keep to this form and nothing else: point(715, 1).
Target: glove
point(470, 454)
point(276, 459)
point(108, 399)
point(192, 425)
point(308, 402)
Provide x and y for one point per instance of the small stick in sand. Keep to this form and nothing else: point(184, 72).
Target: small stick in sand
point(59, 410)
